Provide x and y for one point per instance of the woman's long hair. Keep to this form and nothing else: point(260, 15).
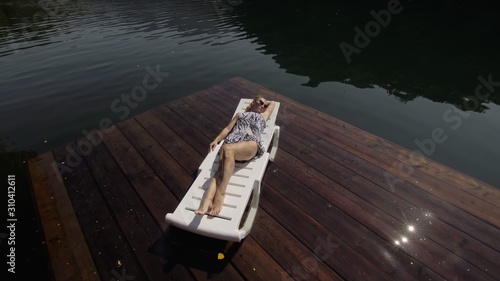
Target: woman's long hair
point(249, 107)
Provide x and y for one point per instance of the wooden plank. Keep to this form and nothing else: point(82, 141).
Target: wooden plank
point(472, 247)
point(435, 186)
point(96, 218)
point(173, 143)
point(122, 181)
point(255, 263)
point(328, 178)
point(403, 160)
point(375, 175)
point(138, 227)
point(225, 101)
point(69, 256)
point(146, 183)
point(289, 252)
point(175, 178)
point(402, 214)
point(347, 263)
point(320, 162)
point(317, 199)
point(216, 118)
point(199, 122)
point(197, 140)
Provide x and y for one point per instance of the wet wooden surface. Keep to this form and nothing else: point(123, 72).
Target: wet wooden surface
point(336, 204)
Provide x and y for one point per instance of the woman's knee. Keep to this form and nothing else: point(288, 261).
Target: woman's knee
point(227, 151)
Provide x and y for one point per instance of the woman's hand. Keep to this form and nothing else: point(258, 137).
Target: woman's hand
point(212, 146)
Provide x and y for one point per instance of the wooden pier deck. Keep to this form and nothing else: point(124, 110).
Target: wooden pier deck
point(337, 203)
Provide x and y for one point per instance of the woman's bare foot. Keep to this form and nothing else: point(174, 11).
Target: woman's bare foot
point(217, 204)
point(205, 206)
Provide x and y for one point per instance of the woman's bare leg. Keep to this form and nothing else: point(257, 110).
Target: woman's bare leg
point(230, 153)
point(206, 204)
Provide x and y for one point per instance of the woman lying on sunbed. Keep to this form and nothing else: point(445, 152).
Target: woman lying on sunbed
point(242, 142)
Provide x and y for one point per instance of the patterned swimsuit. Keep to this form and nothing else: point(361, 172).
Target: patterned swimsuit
point(248, 127)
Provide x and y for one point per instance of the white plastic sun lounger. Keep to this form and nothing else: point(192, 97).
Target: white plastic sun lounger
point(245, 183)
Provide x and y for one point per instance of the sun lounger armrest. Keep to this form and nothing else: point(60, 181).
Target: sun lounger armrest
point(254, 205)
point(274, 143)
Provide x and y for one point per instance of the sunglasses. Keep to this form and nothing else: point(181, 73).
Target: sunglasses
point(263, 104)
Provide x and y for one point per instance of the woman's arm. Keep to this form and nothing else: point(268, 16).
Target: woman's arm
point(266, 114)
point(222, 135)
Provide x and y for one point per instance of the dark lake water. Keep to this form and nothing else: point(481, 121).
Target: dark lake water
point(399, 70)
point(64, 64)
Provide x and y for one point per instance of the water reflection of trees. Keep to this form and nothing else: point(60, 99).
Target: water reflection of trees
point(28, 23)
point(24, 22)
point(430, 50)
